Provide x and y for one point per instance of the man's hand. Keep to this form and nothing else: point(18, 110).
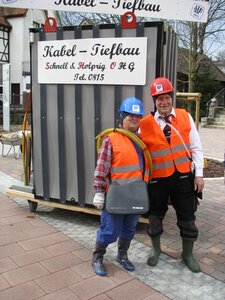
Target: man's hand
point(198, 184)
point(99, 200)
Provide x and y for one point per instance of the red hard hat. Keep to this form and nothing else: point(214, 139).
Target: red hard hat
point(161, 85)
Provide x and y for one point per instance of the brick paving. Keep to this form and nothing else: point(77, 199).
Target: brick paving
point(210, 246)
point(47, 255)
point(213, 142)
point(39, 261)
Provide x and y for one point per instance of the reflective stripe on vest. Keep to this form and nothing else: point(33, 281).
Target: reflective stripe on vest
point(160, 152)
point(125, 162)
point(164, 156)
point(163, 165)
point(180, 147)
point(125, 169)
point(182, 160)
point(127, 180)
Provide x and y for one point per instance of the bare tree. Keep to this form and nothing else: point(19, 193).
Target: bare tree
point(221, 57)
point(76, 18)
point(200, 38)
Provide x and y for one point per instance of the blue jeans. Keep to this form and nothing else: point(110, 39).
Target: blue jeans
point(114, 226)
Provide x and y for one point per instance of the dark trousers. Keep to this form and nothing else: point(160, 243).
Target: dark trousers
point(179, 189)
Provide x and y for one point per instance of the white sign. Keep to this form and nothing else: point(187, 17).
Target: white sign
point(186, 10)
point(93, 61)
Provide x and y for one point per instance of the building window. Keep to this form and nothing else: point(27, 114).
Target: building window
point(15, 93)
point(38, 25)
point(4, 44)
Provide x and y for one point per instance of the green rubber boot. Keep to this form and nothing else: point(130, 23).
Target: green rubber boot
point(187, 256)
point(155, 252)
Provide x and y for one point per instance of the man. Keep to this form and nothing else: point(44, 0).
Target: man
point(120, 160)
point(174, 143)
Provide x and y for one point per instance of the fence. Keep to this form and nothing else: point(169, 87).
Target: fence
point(16, 109)
point(216, 103)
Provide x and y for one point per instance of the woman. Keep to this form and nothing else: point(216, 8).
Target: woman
point(119, 160)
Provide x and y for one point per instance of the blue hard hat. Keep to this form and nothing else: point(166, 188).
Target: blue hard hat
point(132, 105)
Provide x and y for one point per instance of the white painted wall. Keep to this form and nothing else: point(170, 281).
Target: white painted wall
point(20, 45)
point(16, 48)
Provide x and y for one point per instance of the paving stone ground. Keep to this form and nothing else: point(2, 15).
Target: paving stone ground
point(47, 255)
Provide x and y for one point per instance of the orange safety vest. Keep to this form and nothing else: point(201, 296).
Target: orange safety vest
point(166, 156)
point(125, 164)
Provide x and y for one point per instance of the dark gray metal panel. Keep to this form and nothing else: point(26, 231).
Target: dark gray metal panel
point(154, 58)
point(44, 143)
point(118, 88)
point(53, 141)
point(170, 54)
point(174, 58)
point(89, 140)
point(42, 133)
point(139, 33)
point(170, 57)
point(79, 137)
point(61, 135)
point(44, 136)
point(167, 53)
point(174, 66)
point(175, 53)
point(97, 98)
point(109, 115)
point(70, 142)
point(159, 53)
point(80, 146)
point(61, 144)
point(36, 127)
point(97, 102)
point(108, 111)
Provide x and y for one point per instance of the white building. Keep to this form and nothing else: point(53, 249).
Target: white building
point(15, 46)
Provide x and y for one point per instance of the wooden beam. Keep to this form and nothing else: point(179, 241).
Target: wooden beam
point(192, 97)
point(11, 193)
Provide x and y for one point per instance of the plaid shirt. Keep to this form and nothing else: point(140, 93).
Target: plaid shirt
point(102, 170)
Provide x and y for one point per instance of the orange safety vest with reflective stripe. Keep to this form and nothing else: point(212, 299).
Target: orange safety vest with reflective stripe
point(125, 166)
point(166, 156)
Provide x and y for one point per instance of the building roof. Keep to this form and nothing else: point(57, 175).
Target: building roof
point(4, 22)
point(86, 21)
point(12, 12)
point(6, 13)
point(207, 63)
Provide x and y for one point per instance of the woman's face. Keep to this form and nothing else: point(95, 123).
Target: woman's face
point(131, 122)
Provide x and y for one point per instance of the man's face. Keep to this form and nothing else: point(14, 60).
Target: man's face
point(164, 104)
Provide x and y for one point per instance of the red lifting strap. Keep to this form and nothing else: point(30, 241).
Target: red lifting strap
point(50, 25)
point(128, 20)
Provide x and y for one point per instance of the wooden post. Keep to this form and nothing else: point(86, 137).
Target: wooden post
point(192, 97)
